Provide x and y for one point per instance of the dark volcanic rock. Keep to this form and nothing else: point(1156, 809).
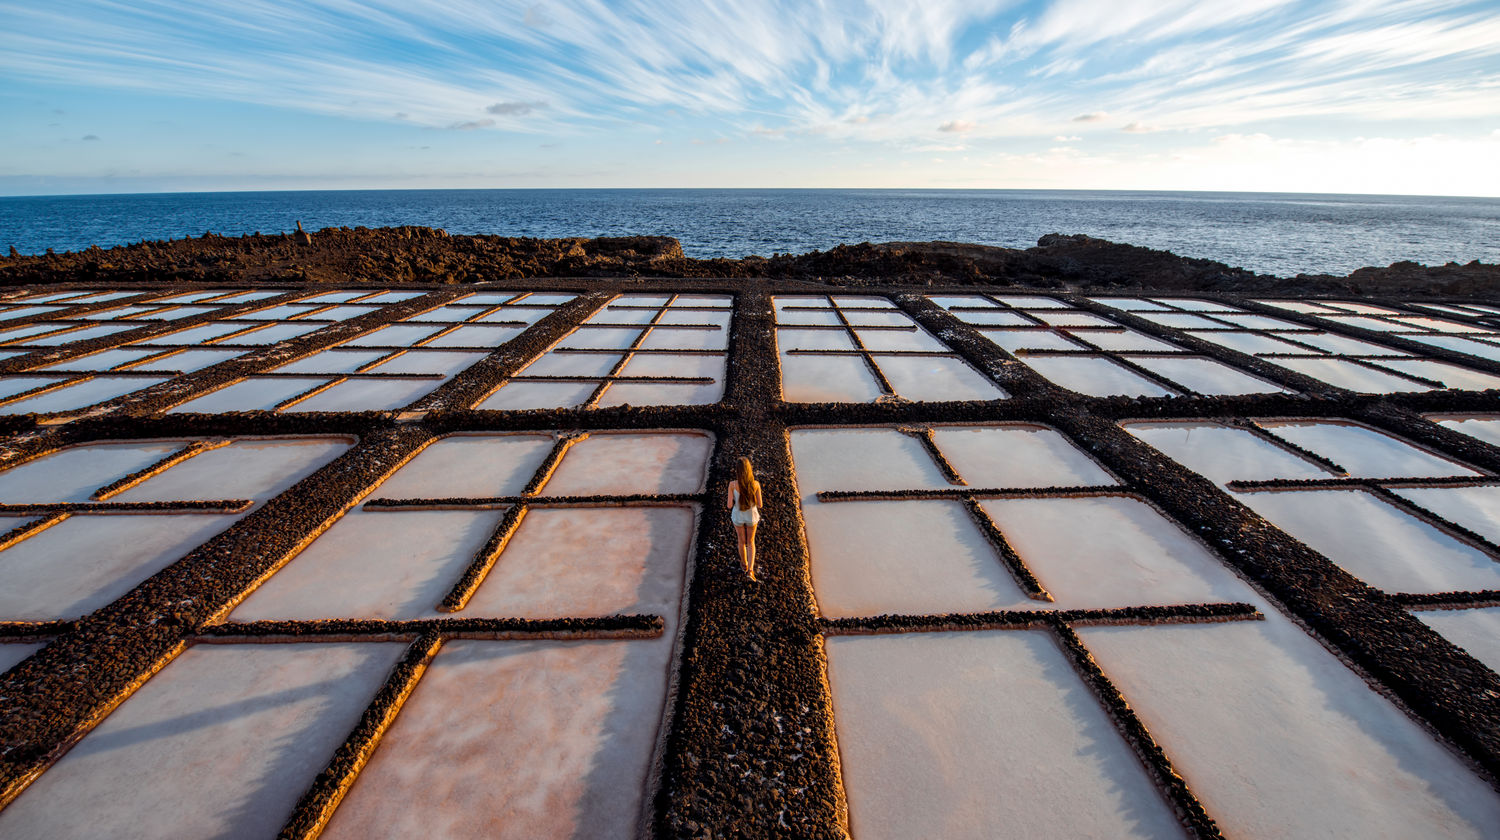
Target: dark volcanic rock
point(427, 255)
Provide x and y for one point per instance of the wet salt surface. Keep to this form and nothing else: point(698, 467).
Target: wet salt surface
point(1482, 427)
point(82, 395)
point(1016, 456)
point(861, 459)
point(922, 378)
point(1365, 452)
point(469, 466)
point(611, 464)
point(517, 740)
point(1279, 739)
point(1207, 376)
point(1343, 373)
point(86, 562)
point(246, 469)
point(221, 743)
point(1222, 454)
point(927, 557)
point(1376, 542)
point(1475, 508)
point(367, 395)
point(257, 394)
point(1095, 376)
point(827, 379)
point(958, 735)
point(11, 653)
point(74, 473)
point(1476, 631)
point(1104, 552)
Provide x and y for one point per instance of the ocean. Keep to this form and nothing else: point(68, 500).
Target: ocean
point(1283, 234)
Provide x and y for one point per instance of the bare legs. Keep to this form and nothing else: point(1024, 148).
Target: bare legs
point(745, 534)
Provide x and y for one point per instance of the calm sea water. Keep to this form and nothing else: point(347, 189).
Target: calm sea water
point(1281, 234)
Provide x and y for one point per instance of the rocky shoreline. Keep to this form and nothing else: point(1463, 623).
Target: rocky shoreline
point(406, 255)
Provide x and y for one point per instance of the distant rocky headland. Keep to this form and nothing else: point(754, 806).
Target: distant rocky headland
point(427, 255)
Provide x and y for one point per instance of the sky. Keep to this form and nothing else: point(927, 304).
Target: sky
point(1351, 96)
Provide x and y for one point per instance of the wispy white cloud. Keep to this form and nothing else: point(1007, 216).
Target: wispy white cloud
point(888, 73)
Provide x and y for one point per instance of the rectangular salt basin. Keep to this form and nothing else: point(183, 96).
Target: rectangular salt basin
point(517, 740)
point(333, 297)
point(1452, 376)
point(475, 336)
point(74, 473)
point(660, 393)
point(249, 468)
point(591, 562)
point(392, 297)
point(1013, 341)
point(341, 313)
point(1031, 302)
point(921, 557)
point(1477, 631)
point(445, 314)
point(221, 743)
point(273, 334)
point(610, 463)
point(1184, 321)
point(1462, 345)
point(995, 317)
point(10, 386)
point(367, 395)
point(1347, 345)
point(103, 360)
point(1346, 374)
point(1016, 456)
point(12, 653)
point(1126, 340)
point(861, 459)
point(1278, 739)
point(827, 379)
point(56, 339)
point(610, 338)
point(1130, 304)
point(922, 378)
point(665, 364)
point(487, 298)
point(1197, 305)
point(334, 361)
point(978, 735)
point(791, 339)
point(520, 396)
point(919, 340)
point(1207, 376)
point(524, 314)
point(1107, 551)
point(1365, 452)
point(1075, 319)
point(254, 394)
point(86, 562)
point(428, 361)
point(1376, 542)
point(397, 336)
point(1095, 376)
point(374, 564)
point(1223, 454)
point(188, 361)
point(469, 466)
point(1258, 322)
point(199, 334)
point(1485, 428)
point(82, 395)
point(667, 338)
point(1253, 343)
point(616, 315)
point(29, 330)
point(283, 312)
point(721, 319)
point(862, 318)
point(573, 364)
point(1475, 508)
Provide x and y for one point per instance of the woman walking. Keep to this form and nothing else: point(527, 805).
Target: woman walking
point(744, 512)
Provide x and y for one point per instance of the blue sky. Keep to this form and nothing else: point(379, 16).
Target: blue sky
point(1346, 96)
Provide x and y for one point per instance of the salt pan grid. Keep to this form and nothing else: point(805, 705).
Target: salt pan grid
point(863, 349)
point(638, 350)
point(1415, 524)
point(1094, 355)
point(934, 528)
point(397, 616)
point(1358, 364)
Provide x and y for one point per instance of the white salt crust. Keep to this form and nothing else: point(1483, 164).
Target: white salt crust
point(1476, 631)
point(961, 735)
point(221, 743)
point(1278, 738)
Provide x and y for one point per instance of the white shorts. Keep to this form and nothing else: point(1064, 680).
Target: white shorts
point(744, 517)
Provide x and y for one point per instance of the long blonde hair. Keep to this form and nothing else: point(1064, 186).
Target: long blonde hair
point(749, 487)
